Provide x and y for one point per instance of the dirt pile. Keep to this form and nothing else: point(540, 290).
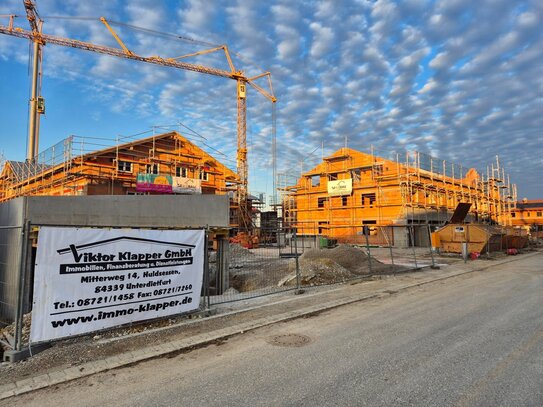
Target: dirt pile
point(238, 250)
point(258, 274)
point(317, 271)
point(240, 256)
point(352, 258)
point(327, 266)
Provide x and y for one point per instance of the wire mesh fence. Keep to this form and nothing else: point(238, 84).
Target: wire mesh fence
point(313, 254)
point(264, 264)
point(283, 259)
point(275, 260)
point(10, 256)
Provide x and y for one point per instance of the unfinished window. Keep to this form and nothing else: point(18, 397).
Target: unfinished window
point(368, 200)
point(332, 177)
point(323, 228)
point(152, 169)
point(378, 170)
point(124, 166)
point(538, 213)
point(204, 175)
point(527, 214)
point(356, 175)
point(343, 201)
point(315, 180)
point(321, 202)
point(513, 215)
point(181, 172)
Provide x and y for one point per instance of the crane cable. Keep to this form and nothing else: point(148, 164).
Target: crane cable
point(157, 33)
point(136, 28)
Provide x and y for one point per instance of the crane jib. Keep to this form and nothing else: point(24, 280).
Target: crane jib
point(51, 39)
point(38, 38)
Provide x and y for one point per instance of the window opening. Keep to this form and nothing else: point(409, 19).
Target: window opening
point(124, 166)
point(368, 200)
point(181, 172)
point(152, 169)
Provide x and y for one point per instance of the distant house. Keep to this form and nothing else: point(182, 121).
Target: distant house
point(162, 164)
point(529, 214)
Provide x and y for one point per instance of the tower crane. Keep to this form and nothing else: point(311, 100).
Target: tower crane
point(39, 39)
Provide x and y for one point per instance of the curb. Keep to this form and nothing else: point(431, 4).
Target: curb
point(128, 358)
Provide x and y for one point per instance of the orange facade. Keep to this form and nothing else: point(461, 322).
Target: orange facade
point(352, 189)
point(116, 170)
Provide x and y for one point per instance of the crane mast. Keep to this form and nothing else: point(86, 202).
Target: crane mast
point(34, 115)
point(40, 39)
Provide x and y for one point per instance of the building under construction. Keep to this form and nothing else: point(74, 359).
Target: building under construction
point(351, 194)
point(161, 164)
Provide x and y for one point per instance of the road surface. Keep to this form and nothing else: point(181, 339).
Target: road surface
point(475, 340)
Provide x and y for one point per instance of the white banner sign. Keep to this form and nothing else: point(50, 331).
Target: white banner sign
point(340, 187)
point(91, 279)
point(181, 185)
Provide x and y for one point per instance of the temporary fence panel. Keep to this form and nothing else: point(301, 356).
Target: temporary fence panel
point(266, 266)
point(11, 238)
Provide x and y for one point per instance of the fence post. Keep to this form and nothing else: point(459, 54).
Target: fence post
point(412, 234)
point(21, 281)
point(298, 276)
point(487, 241)
point(222, 278)
point(389, 240)
point(501, 239)
point(206, 269)
point(366, 230)
point(433, 266)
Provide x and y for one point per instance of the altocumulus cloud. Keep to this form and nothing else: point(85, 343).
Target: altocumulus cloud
point(459, 79)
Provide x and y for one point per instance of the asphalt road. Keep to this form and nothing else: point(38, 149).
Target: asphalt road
point(475, 340)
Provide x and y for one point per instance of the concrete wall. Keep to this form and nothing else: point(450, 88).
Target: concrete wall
point(161, 211)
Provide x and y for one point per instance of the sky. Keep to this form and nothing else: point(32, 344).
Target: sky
point(461, 80)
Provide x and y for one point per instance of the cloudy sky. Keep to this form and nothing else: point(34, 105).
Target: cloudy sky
point(459, 79)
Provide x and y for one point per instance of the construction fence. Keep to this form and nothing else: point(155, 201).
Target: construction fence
point(280, 260)
point(284, 259)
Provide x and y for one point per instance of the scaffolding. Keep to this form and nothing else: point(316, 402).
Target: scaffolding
point(64, 168)
point(287, 208)
point(406, 188)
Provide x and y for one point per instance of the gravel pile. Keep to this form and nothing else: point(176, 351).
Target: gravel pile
point(238, 250)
